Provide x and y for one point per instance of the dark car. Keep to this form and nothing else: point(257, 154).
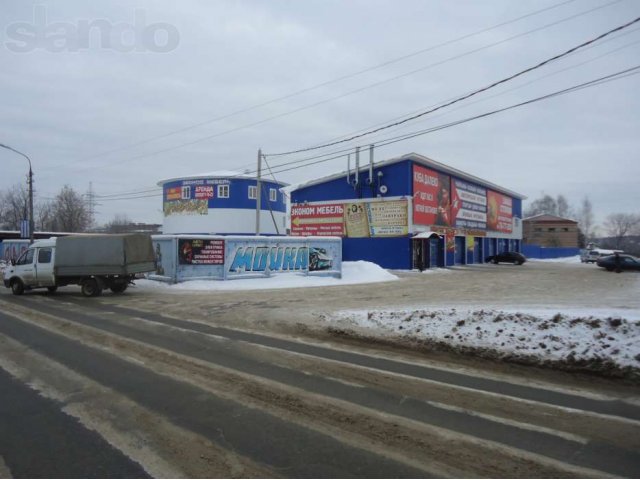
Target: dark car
point(507, 257)
point(623, 262)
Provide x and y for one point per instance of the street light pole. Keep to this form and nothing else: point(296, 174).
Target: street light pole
point(31, 222)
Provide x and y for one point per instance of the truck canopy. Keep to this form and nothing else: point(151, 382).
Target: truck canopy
point(103, 255)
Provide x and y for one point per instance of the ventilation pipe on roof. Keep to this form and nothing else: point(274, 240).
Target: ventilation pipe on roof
point(349, 169)
point(357, 176)
point(370, 164)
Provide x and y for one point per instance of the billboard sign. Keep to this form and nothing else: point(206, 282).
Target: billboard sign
point(431, 197)
point(354, 220)
point(312, 220)
point(499, 212)
point(199, 251)
point(469, 205)
point(247, 257)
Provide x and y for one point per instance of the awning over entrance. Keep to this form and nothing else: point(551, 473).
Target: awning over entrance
point(427, 234)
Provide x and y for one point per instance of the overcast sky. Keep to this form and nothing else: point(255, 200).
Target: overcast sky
point(84, 107)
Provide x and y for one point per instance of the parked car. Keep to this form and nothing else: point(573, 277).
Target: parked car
point(507, 257)
point(626, 262)
point(592, 255)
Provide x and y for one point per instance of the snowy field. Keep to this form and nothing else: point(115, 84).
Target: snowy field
point(572, 336)
point(604, 338)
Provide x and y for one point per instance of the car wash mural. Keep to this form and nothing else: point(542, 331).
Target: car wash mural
point(357, 219)
point(181, 257)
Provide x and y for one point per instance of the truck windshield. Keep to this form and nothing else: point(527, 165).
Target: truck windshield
point(26, 258)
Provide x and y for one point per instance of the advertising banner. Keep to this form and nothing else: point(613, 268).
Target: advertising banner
point(357, 220)
point(499, 212)
point(247, 257)
point(310, 220)
point(353, 220)
point(388, 219)
point(200, 251)
point(468, 205)
point(431, 197)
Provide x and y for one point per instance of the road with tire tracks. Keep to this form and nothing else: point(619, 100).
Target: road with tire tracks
point(97, 389)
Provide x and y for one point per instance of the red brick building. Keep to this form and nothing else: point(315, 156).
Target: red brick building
point(550, 231)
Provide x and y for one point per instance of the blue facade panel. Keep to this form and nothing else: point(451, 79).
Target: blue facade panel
point(392, 252)
point(238, 193)
point(396, 177)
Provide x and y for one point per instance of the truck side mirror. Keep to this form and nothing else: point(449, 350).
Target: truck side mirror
point(13, 262)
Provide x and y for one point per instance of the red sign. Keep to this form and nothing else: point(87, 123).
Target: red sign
point(499, 212)
point(174, 193)
point(431, 197)
point(321, 220)
point(204, 192)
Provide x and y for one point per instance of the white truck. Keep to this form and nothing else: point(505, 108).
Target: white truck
point(94, 262)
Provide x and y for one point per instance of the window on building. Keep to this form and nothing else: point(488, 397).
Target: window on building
point(223, 191)
point(537, 229)
point(552, 229)
point(253, 192)
point(273, 194)
point(565, 229)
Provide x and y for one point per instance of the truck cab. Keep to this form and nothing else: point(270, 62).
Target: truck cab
point(33, 269)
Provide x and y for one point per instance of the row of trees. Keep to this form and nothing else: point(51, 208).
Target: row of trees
point(617, 231)
point(67, 212)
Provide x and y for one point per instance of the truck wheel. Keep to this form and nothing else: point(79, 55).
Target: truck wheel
point(119, 287)
point(17, 287)
point(91, 287)
point(52, 289)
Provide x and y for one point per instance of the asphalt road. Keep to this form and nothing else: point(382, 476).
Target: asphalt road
point(92, 388)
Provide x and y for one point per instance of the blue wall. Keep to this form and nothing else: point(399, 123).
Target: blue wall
point(536, 251)
point(391, 252)
point(238, 193)
point(396, 177)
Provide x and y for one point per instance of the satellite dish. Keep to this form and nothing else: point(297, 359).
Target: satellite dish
point(383, 189)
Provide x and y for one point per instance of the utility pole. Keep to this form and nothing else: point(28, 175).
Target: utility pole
point(31, 222)
point(258, 192)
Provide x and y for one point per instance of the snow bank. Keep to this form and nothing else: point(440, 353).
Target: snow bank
point(574, 259)
point(577, 337)
point(352, 273)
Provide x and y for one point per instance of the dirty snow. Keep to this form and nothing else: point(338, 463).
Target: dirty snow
point(569, 335)
point(575, 259)
point(352, 273)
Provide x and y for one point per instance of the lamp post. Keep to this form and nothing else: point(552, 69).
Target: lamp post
point(31, 223)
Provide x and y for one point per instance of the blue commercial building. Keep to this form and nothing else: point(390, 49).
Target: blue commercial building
point(410, 212)
point(221, 203)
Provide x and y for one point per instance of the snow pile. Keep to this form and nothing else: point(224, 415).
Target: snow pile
point(606, 343)
point(352, 273)
point(574, 259)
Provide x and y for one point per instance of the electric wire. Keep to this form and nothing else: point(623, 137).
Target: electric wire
point(351, 92)
point(464, 97)
point(605, 79)
point(335, 80)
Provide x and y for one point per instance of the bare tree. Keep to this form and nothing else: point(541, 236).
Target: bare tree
point(44, 214)
point(619, 225)
point(585, 218)
point(71, 211)
point(564, 210)
point(545, 205)
point(120, 223)
point(14, 207)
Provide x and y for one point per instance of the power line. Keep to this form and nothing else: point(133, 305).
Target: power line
point(464, 97)
point(335, 80)
point(351, 92)
point(615, 76)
